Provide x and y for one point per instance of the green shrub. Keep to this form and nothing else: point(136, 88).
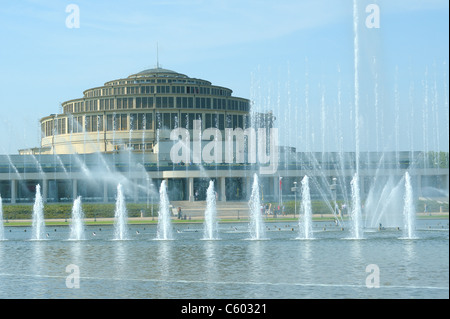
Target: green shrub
point(65, 210)
point(317, 207)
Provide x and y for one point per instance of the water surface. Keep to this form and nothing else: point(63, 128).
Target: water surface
point(233, 266)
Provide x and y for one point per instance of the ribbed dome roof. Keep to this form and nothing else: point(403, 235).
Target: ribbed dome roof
point(158, 71)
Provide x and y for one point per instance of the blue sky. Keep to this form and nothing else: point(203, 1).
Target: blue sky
point(278, 53)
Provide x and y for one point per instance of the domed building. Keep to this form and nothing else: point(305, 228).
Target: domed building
point(128, 114)
point(122, 131)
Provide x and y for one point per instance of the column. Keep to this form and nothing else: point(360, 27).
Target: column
point(44, 190)
point(276, 188)
point(191, 188)
point(247, 185)
point(223, 194)
point(136, 191)
point(186, 189)
point(74, 189)
point(105, 191)
point(419, 185)
point(13, 191)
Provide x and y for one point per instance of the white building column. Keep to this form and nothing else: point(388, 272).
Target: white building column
point(136, 191)
point(419, 185)
point(276, 188)
point(44, 190)
point(222, 186)
point(248, 184)
point(13, 191)
point(74, 189)
point(191, 189)
point(105, 191)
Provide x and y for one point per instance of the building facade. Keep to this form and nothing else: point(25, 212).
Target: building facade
point(129, 113)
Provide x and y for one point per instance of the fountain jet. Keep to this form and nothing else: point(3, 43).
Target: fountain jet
point(408, 209)
point(356, 208)
point(38, 223)
point(120, 215)
point(210, 230)
point(305, 218)
point(77, 225)
point(256, 226)
point(164, 231)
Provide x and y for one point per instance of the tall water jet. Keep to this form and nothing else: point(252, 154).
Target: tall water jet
point(77, 224)
point(2, 229)
point(210, 226)
point(356, 208)
point(305, 218)
point(356, 84)
point(120, 216)
point(256, 226)
point(356, 201)
point(164, 231)
point(38, 223)
point(408, 209)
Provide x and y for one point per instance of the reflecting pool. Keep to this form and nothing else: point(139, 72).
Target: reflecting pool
point(382, 265)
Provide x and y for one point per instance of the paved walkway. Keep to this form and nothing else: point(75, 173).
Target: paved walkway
point(199, 218)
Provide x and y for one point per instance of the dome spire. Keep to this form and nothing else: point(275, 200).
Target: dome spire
point(157, 56)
